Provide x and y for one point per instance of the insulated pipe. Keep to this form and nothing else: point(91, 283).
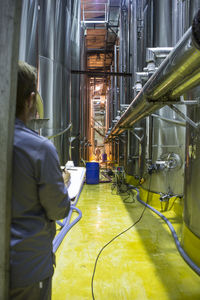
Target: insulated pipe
point(177, 74)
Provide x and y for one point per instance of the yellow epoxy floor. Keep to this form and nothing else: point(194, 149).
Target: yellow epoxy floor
point(141, 264)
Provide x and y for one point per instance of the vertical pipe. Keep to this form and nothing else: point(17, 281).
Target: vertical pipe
point(149, 130)
point(126, 151)
point(128, 24)
point(121, 55)
point(115, 83)
point(118, 154)
point(83, 92)
point(88, 121)
point(163, 33)
point(174, 22)
point(106, 113)
point(134, 43)
point(114, 150)
point(140, 34)
point(75, 82)
point(111, 95)
point(180, 19)
point(187, 15)
point(92, 122)
point(128, 144)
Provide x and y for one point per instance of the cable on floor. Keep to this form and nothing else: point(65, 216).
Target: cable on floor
point(139, 219)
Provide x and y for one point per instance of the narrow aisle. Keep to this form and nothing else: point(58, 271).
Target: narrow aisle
point(141, 264)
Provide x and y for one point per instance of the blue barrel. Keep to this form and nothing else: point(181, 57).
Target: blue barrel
point(92, 173)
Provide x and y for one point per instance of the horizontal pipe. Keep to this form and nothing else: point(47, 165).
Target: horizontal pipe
point(94, 51)
point(100, 74)
point(158, 52)
point(94, 11)
point(172, 79)
point(94, 22)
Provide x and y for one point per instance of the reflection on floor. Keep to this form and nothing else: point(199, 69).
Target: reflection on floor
point(141, 264)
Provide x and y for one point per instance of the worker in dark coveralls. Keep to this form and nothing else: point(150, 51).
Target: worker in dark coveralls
point(39, 198)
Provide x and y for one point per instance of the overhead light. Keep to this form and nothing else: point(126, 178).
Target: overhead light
point(97, 88)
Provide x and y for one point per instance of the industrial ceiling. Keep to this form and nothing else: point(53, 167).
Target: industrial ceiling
point(100, 19)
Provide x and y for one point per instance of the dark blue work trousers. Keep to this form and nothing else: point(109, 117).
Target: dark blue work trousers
point(37, 291)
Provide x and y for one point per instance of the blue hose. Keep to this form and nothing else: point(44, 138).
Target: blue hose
point(178, 245)
point(66, 225)
point(58, 239)
point(66, 220)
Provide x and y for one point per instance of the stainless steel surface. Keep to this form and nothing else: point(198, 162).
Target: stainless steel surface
point(83, 96)
point(166, 133)
point(75, 80)
point(191, 184)
point(175, 15)
point(133, 45)
point(157, 52)
point(50, 32)
point(28, 49)
point(182, 62)
point(116, 104)
point(192, 166)
point(175, 122)
point(185, 117)
point(162, 16)
point(122, 53)
point(167, 137)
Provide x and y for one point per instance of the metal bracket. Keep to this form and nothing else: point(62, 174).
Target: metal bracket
point(159, 52)
point(176, 122)
point(133, 131)
point(126, 128)
point(182, 115)
point(189, 102)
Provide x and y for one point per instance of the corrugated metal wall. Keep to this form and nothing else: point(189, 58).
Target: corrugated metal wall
point(50, 33)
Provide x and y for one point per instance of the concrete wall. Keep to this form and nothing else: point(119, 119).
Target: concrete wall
point(10, 15)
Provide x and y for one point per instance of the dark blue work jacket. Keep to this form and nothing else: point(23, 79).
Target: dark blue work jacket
point(39, 198)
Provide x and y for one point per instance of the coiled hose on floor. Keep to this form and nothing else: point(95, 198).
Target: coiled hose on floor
point(184, 255)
